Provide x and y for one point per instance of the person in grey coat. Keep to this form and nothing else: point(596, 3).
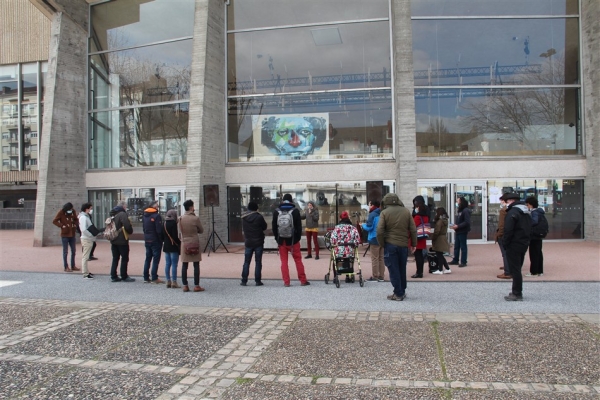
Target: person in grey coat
point(119, 246)
point(311, 214)
point(253, 225)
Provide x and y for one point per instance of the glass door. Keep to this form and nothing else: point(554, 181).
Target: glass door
point(170, 198)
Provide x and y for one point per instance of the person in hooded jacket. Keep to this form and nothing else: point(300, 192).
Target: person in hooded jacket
point(420, 216)
point(189, 228)
point(153, 240)
point(499, 234)
point(376, 250)
point(461, 228)
point(394, 230)
point(171, 248)
point(517, 233)
point(439, 240)
point(311, 214)
point(289, 245)
point(66, 219)
point(119, 246)
point(253, 225)
point(536, 257)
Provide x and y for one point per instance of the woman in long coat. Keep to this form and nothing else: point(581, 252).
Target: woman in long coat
point(439, 241)
point(189, 228)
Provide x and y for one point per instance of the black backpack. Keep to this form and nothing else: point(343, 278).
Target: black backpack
point(540, 230)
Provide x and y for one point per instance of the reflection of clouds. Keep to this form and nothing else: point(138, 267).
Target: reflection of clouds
point(159, 20)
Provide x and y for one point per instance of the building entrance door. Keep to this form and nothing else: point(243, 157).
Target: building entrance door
point(445, 194)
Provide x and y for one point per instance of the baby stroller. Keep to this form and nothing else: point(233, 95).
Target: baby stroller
point(343, 265)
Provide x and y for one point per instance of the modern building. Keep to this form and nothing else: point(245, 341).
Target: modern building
point(336, 101)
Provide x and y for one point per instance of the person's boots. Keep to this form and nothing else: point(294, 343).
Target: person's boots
point(174, 285)
point(168, 284)
point(186, 288)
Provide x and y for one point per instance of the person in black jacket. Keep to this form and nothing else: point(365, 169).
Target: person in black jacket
point(171, 248)
point(291, 244)
point(461, 229)
point(153, 238)
point(253, 225)
point(517, 232)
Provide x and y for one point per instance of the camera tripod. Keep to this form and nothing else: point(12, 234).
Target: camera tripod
point(212, 244)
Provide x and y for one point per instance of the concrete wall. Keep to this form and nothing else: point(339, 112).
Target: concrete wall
point(62, 161)
point(590, 21)
point(24, 32)
point(206, 139)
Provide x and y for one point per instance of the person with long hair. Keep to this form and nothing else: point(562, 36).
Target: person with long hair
point(420, 216)
point(461, 229)
point(66, 219)
point(439, 241)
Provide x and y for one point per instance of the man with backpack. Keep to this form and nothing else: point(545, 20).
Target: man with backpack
point(287, 229)
point(539, 230)
point(517, 232)
point(119, 226)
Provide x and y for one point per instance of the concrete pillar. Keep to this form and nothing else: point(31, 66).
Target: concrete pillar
point(206, 132)
point(404, 117)
point(590, 58)
point(62, 161)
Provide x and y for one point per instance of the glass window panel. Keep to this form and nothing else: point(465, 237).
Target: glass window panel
point(264, 62)
point(311, 126)
point(139, 137)
point(330, 198)
point(477, 122)
point(561, 199)
point(248, 14)
point(528, 52)
point(492, 7)
point(120, 24)
point(9, 117)
point(144, 75)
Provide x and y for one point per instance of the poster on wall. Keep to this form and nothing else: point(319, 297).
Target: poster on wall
point(290, 136)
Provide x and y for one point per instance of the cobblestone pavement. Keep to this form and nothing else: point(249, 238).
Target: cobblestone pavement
point(58, 349)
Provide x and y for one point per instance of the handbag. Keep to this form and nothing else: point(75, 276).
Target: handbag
point(93, 230)
point(423, 230)
point(191, 249)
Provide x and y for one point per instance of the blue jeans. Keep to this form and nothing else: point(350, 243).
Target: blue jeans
point(504, 259)
point(152, 254)
point(258, 251)
point(68, 242)
point(395, 260)
point(171, 260)
point(460, 248)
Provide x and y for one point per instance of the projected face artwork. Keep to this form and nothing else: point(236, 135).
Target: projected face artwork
point(293, 136)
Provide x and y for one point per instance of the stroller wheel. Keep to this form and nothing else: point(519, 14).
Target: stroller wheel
point(360, 281)
point(326, 279)
point(352, 279)
point(337, 282)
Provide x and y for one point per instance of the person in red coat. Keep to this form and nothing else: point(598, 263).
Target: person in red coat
point(420, 216)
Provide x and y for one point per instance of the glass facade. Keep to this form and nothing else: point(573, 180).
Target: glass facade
point(327, 97)
point(497, 78)
point(139, 83)
point(21, 105)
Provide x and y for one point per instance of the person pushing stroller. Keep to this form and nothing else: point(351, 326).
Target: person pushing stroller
point(344, 241)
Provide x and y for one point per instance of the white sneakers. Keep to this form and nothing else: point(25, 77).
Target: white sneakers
point(447, 271)
point(437, 272)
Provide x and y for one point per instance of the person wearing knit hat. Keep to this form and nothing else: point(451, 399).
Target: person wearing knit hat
point(253, 225)
point(344, 232)
point(287, 229)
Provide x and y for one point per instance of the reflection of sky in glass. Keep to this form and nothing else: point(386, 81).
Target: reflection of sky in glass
point(463, 43)
point(492, 7)
point(244, 14)
point(158, 20)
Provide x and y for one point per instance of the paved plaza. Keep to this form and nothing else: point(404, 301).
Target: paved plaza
point(63, 337)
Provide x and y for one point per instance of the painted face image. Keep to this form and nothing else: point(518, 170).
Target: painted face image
point(293, 136)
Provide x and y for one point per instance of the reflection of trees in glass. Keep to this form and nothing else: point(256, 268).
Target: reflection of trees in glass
point(150, 135)
point(518, 112)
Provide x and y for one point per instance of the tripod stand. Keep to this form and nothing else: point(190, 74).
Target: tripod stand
point(211, 236)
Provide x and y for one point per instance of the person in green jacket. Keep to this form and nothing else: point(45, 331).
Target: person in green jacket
point(395, 227)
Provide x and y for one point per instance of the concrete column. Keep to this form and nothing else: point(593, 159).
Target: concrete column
point(404, 117)
point(62, 161)
point(590, 17)
point(206, 132)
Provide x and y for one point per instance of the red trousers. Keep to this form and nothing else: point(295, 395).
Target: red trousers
point(297, 256)
point(309, 236)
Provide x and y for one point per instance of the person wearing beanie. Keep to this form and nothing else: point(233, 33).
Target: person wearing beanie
point(344, 232)
point(287, 229)
point(253, 226)
point(66, 219)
